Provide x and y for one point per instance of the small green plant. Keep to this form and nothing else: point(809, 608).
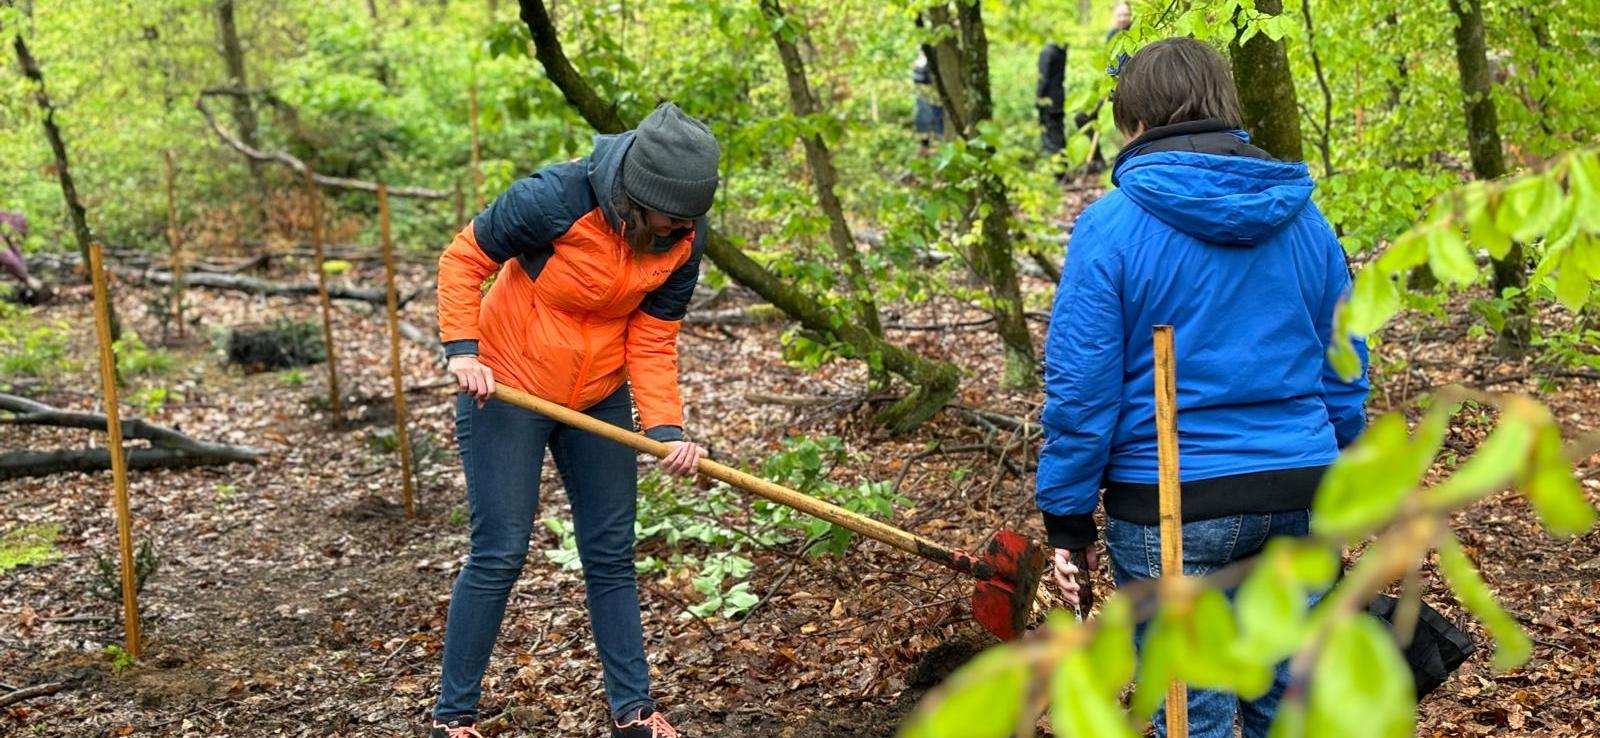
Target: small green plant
point(292, 377)
point(120, 658)
point(731, 602)
point(151, 399)
point(225, 491)
point(335, 267)
point(134, 358)
point(457, 516)
point(28, 545)
point(33, 352)
point(105, 582)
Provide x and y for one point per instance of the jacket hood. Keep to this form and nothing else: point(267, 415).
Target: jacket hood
point(604, 167)
point(1211, 184)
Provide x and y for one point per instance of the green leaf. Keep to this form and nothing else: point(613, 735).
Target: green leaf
point(1583, 180)
point(1079, 147)
point(1360, 685)
point(1342, 354)
point(1078, 709)
point(1535, 204)
point(1481, 227)
point(1497, 460)
point(1448, 256)
point(1408, 251)
point(981, 700)
point(1111, 651)
point(1572, 282)
point(1272, 605)
point(1374, 300)
point(1586, 254)
point(1210, 660)
point(1511, 645)
point(1163, 649)
point(1290, 722)
point(1367, 483)
point(1554, 492)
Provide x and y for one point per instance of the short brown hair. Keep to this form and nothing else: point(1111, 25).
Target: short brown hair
point(1175, 80)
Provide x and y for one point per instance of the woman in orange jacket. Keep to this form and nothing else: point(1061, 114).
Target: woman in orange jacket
point(597, 260)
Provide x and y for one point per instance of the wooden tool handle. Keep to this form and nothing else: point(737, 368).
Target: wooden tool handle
point(877, 531)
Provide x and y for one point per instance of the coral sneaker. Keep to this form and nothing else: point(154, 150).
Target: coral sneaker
point(647, 724)
point(458, 728)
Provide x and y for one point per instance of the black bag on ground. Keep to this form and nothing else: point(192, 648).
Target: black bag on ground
point(1437, 648)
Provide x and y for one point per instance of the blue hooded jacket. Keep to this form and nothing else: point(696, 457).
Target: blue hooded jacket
point(1210, 235)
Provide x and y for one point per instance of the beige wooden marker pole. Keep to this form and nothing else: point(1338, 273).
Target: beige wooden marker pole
point(314, 195)
point(401, 435)
point(177, 249)
point(1171, 509)
point(477, 158)
point(119, 464)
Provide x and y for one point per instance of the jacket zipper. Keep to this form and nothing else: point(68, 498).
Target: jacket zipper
point(583, 325)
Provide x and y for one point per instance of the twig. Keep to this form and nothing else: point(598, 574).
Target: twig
point(69, 619)
point(284, 158)
point(663, 594)
point(38, 690)
point(798, 556)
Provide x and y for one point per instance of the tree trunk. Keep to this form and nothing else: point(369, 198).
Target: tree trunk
point(823, 174)
point(1488, 162)
point(244, 114)
point(1266, 91)
point(933, 382)
point(58, 145)
point(944, 63)
point(993, 255)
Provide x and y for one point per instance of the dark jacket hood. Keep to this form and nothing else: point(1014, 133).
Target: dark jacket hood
point(604, 167)
point(1206, 180)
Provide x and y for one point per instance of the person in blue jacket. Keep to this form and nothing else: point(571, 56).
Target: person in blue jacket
point(1212, 236)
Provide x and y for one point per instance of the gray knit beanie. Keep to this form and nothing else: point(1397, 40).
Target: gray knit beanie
point(671, 167)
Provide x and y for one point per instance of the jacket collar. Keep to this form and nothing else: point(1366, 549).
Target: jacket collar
point(1198, 136)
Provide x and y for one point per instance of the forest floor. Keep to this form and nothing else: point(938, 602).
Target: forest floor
point(295, 598)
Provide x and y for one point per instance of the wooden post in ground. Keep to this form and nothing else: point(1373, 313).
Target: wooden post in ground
point(119, 464)
point(477, 158)
point(314, 196)
point(402, 437)
point(1171, 511)
point(177, 248)
point(461, 207)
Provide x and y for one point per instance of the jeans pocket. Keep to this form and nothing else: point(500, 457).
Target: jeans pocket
point(1209, 545)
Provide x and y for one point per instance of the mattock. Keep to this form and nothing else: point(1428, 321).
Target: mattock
point(1007, 570)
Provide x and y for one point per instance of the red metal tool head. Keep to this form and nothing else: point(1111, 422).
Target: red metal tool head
point(1004, 600)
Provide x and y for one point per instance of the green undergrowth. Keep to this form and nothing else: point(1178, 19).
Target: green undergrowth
point(28, 545)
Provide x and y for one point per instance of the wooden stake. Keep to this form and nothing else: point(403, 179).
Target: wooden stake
point(119, 464)
point(1171, 508)
point(477, 159)
point(176, 248)
point(461, 206)
point(314, 195)
point(401, 435)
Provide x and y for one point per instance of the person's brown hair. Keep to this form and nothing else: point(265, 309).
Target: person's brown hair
point(1174, 80)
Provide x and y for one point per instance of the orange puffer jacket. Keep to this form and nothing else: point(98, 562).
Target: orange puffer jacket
point(575, 311)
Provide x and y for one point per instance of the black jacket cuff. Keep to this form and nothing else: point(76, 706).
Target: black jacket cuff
point(664, 433)
point(1071, 532)
point(461, 347)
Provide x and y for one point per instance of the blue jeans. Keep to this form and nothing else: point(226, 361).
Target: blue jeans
point(1208, 545)
point(502, 449)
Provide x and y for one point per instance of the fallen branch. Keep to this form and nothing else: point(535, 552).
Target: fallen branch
point(288, 160)
point(255, 286)
point(168, 449)
point(37, 690)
